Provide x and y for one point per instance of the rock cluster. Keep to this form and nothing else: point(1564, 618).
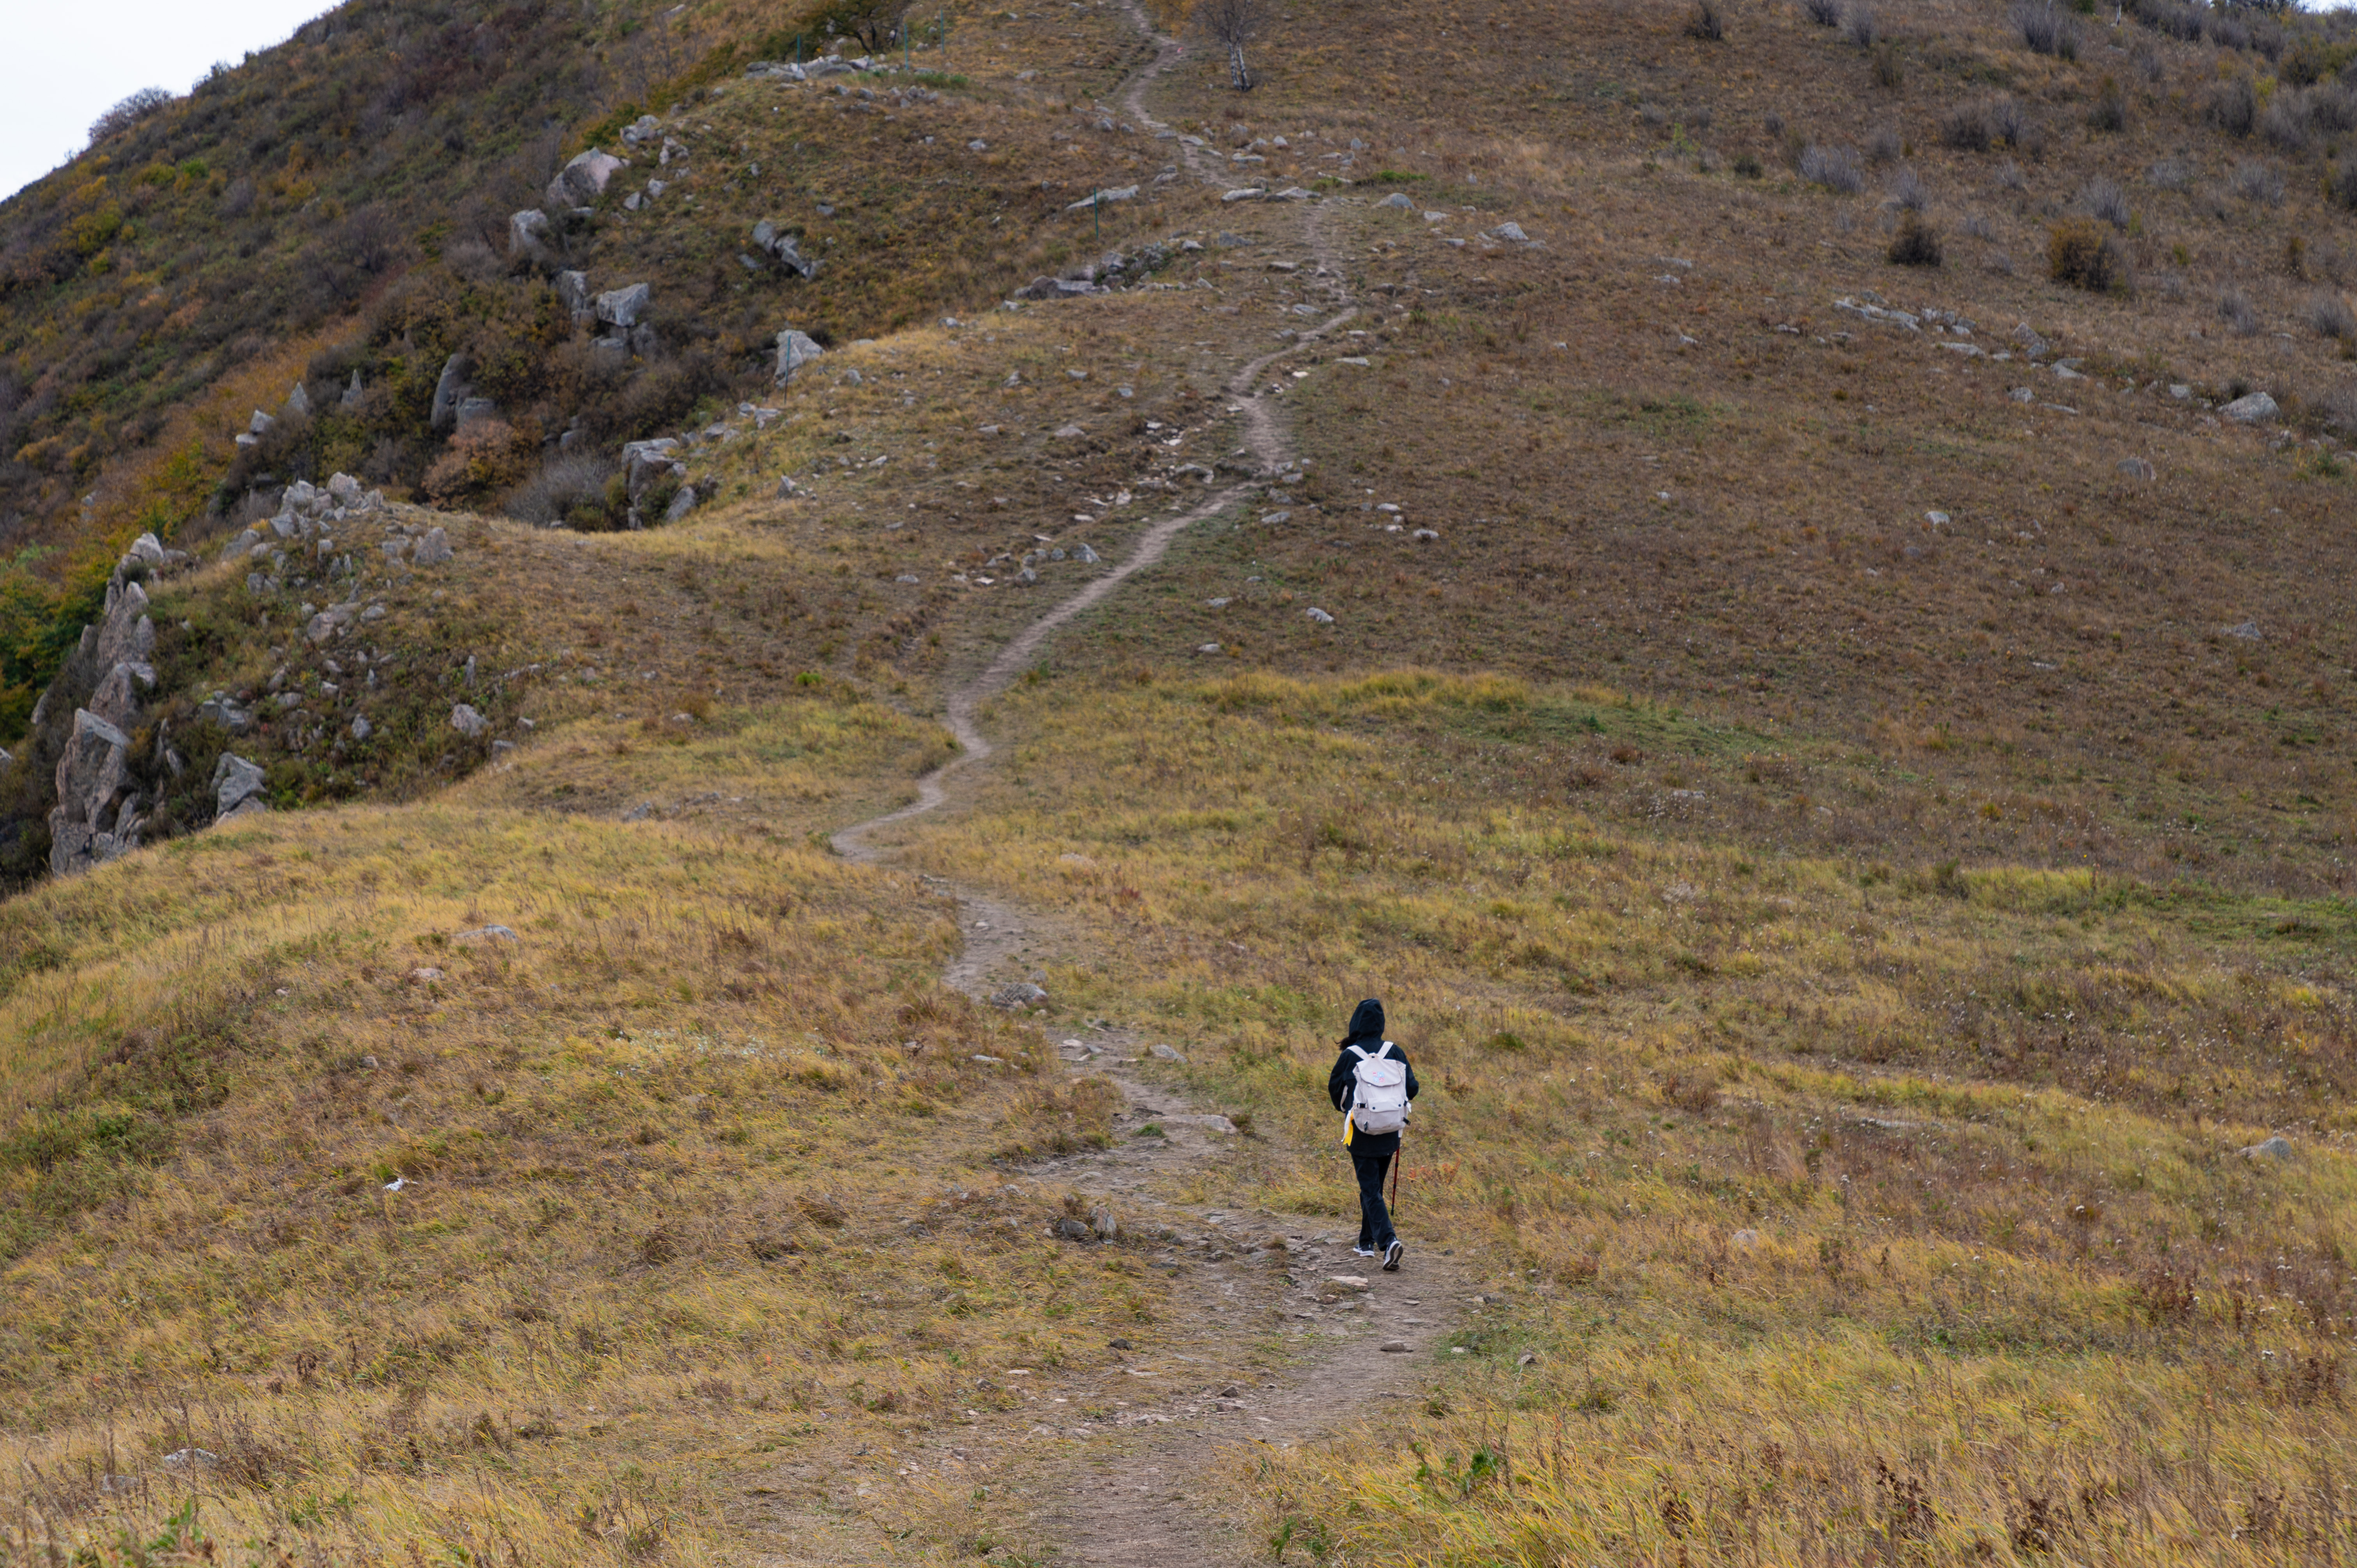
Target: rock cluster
point(584, 180)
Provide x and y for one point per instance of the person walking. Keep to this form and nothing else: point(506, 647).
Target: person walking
point(1372, 1085)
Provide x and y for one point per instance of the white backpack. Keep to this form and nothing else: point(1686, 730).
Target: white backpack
point(1379, 1103)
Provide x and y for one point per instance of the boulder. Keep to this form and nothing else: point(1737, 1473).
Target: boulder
point(226, 713)
point(1398, 198)
point(2136, 468)
point(93, 820)
point(432, 550)
point(682, 501)
point(783, 248)
point(467, 721)
point(2276, 1148)
point(352, 398)
point(796, 349)
point(1318, 616)
point(116, 700)
point(473, 410)
point(361, 728)
point(147, 548)
point(624, 306)
point(585, 180)
point(300, 401)
point(2255, 408)
point(344, 491)
point(1509, 233)
point(450, 389)
point(1102, 198)
point(1022, 993)
point(126, 634)
point(573, 290)
point(527, 231)
point(235, 781)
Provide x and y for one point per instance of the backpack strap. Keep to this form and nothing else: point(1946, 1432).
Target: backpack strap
point(1384, 1050)
point(1361, 1051)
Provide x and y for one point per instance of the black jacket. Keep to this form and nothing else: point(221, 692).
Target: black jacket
point(1366, 1032)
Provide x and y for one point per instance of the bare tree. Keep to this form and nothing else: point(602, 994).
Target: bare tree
point(1232, 24)
point(128, 112)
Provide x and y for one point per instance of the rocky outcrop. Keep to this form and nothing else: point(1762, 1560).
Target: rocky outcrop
point(796, 349)
point(96, 818)
point(783, 248)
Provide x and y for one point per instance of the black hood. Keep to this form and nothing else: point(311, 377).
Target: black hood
point(1367, 1022)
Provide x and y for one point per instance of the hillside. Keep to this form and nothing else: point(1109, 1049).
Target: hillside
point(1770, 577)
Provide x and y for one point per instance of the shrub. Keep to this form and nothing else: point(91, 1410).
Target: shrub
point(1859, 26)
point(2009, 177)
point(2106, 202)
point(2079, 252)
point(2234, 106)
point(1883, 147)
point(1908, 193)
point(568, 484)
point(2111, 110)
point(2339, 408)
point(2235, 308)
point(2257, 182)
point(2047, 31)
point(2170, 174)
point(2287, 123)
point(1833, 168)
point(875, 23)
point(2344, 184)
point(1707, 22)
point(1824, 13)
point(1746, 167)
point(1889, 70)
point(486, 456)
point(1916, 244)
point(2331, 316)
point(1967, 128)
point(128, 113)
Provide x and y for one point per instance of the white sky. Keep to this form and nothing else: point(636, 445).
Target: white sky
point(69, 61)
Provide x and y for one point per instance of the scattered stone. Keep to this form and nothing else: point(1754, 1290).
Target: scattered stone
point(1321, 616)
point(1398, 198)
point(432, 550)
point(682, 502)
point(423, 975)
point(1511, 232)
point(585, 180)
point(2136, 468)
point(783, 248)
point(192, 1458)
point(1126, 193)
point(487, 934)
point(467, 721)
point(1394, 1347)
point(1070, 1229)
point(1167, 1054)
point(235, 781)
point(526, 232)
point(2249, 632)
point(2022, 394)
point(2255, 408)
point(1348, 1282)
point(1022, 993)
point(2276, 1148)
point(624, 308)
point(796, 349)
point(361, 728)
point(1069, 433)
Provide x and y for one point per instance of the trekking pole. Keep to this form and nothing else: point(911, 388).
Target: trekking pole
point(1398, 1160)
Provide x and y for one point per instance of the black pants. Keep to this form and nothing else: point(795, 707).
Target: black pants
point(1374, 1219)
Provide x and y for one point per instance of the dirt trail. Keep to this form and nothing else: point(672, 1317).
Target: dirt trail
point(1163, 1506)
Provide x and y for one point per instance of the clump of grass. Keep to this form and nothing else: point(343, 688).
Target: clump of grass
point(2329, 314)
point(1908, 192)
point(2111, 110)
point(1824, 13)
point(1835, 168)
point(1860, 27)
point(1916, 244)
point(1889, 70)
point(2170, 174)
point(2232, 106)
point(1883, 147)
point(2257, 182)
point(2082, 254)
point(1706, 22)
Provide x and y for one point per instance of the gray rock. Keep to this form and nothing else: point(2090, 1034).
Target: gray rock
point(585, 180)
point(1167, 1054)
point(1321, 616)
point(2136, 468)
point(624, 306)
point(226, 713)
point(682, 502)
point(352, 398)
point(1398, 198)
point(1100, 198)
point(527, 231)
point(1106, 1227)
point(2255, 408)
point(2249, 632)
point(796, 349)
point(1022, 993)
point(300, 401)
point(487, 934)
point(1394, 1347)
point(2276, 1148)
point(784, 249)
point(467, 721)
point(361, 728)
point(344, 491)
point(93, 820)
point(126, 634)
point(1073, 1230)
point(432, 550)
point(450, 388)
point(1082, 553)
point(572, 292)
point(1511, 232)
point(474, 410)
point(259, 423)
point(235, 781)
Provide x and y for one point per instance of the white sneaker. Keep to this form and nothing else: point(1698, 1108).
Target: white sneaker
point(1362, 1252)
point(1392, 1258)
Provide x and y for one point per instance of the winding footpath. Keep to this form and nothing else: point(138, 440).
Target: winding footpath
point(1166, 1506)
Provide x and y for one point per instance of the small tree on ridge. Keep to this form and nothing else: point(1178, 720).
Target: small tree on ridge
point(1232, 24)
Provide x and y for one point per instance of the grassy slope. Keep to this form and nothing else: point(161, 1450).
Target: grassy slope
point(1953, 979)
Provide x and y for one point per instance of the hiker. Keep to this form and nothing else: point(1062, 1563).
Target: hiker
point(1372, 1085)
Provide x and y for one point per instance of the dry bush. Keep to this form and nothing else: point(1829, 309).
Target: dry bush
point(2338, 408)
point(128, 112)
point(2111, 110)
point(2235, 308)
point(1859, 26)
point(1835, 168)
point(2258, 182)
point(2103, 200)
point(1916, 244)
point(2170, 174)
point(2331, 316)
point(566, 484)
point(2044, 30)
point(1706, 22)
point(1824, 13)
point(2079, 252)
point(2232, 106)
point(484, 456)
point(1889, 70)
point(1884, 146)
point(1908, 192)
